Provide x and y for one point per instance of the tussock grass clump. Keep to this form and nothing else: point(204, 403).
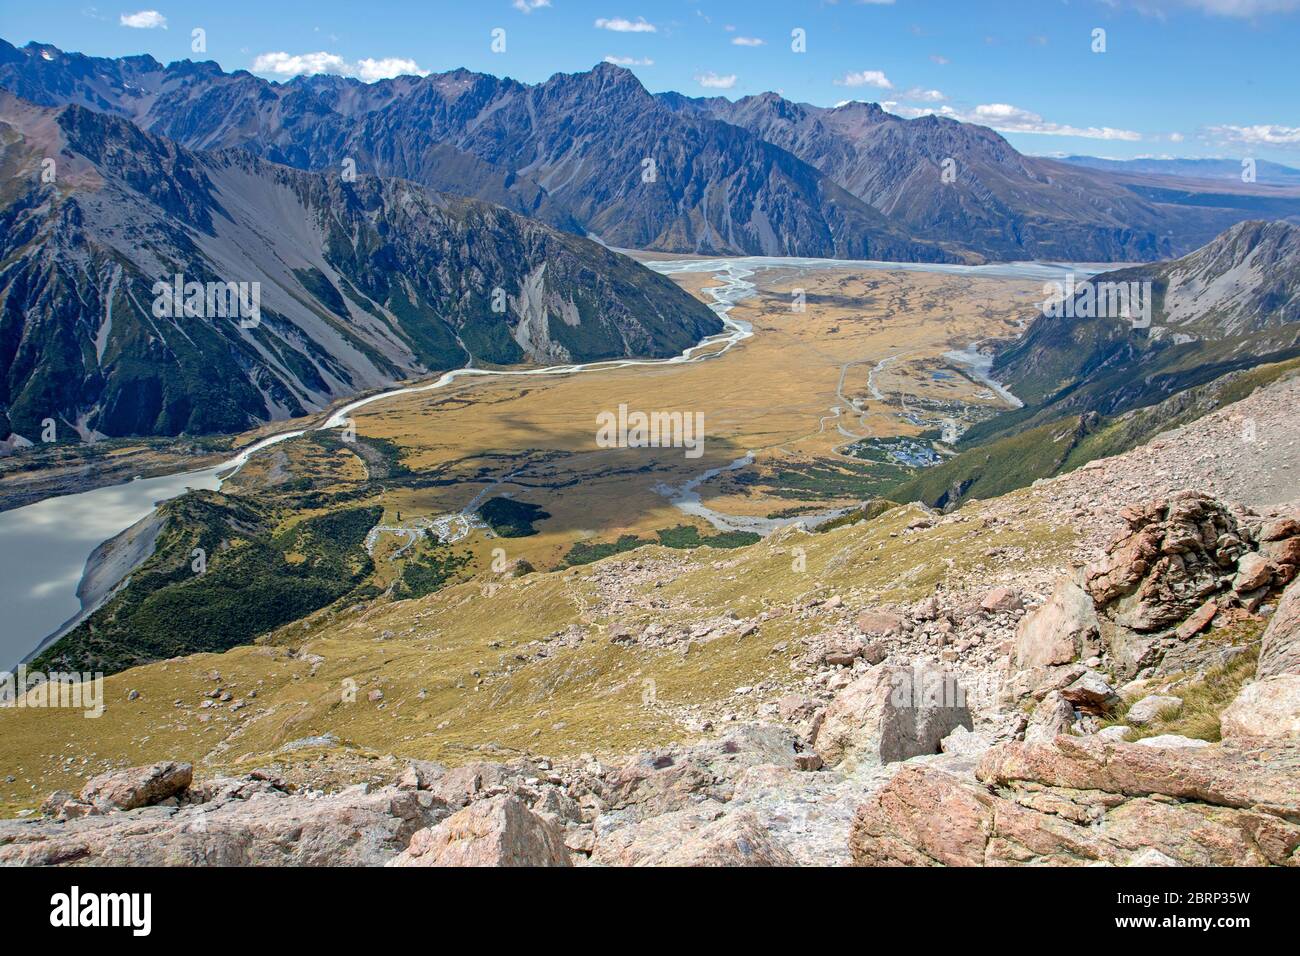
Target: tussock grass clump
point(1203, 701)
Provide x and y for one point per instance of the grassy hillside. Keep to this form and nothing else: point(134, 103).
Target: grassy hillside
point(528, 664)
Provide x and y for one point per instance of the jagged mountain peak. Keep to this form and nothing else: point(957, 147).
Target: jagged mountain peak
point(767, 176)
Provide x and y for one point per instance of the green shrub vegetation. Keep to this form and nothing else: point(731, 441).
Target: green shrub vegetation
point(682, 536)
point(252, 581)
point(511, 519)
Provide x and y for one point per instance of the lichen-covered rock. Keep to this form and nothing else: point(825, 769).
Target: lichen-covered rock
point(137, 786)
point(1059, 631)
point(700, 837)
point(355, 827)
point(1279, 649)
point(1265, 708)
point(500, 831)
point(1084, 801)
point(1053, 715)
point(892, 713)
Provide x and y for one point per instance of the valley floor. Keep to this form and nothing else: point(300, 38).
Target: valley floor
point(658, 657)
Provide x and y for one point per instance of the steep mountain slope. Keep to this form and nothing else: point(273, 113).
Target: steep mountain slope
point(1224, 321)
point(576, 150)
point(256, 579)
point(999, 202)
point(362, 283)
point(1231, 304)
point(1061, 445)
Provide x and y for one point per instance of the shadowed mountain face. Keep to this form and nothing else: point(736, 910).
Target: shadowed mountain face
point(360, 282)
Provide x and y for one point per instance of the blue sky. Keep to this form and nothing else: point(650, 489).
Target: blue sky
point(1177, 78)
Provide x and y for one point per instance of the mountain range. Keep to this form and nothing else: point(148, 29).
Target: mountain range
point(1228, 170)
point(595, 152)
point(418, 224)
point(362, 282)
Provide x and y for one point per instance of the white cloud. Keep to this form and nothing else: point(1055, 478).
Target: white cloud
point(747, 41)
point(1263, 134)
point(1176, 137)
point(941, 60)
point(1006, 118)
point(387, 68)
point(528, 6)
point(306, 64)
point(874, 78)
point(630, 61)
point(917, 94)
point(715, 82)
point(300, 64)
point(621, 25)
point(144, 20)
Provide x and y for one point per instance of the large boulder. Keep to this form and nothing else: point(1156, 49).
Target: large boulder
point(1053, 715)
point(892, 713)
point(1265, 708)
point(500, 831)
point(1172, 557)
point(1279, 649)
point(879, 623)
point(1085, 801)
point(1059, 631)
point(1048, 641)
point(137, 786)
point(1152, 707)
point(697, 837)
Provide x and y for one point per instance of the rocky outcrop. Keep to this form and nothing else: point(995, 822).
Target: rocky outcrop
point(1081, 801)
point(500, 831)
point(695, 838)
point(1279, 649)
point(891, 713)
point(1184, 563)
point(138, 786)
point(1173, 556)
point(1265, 708)
point(246, 822)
